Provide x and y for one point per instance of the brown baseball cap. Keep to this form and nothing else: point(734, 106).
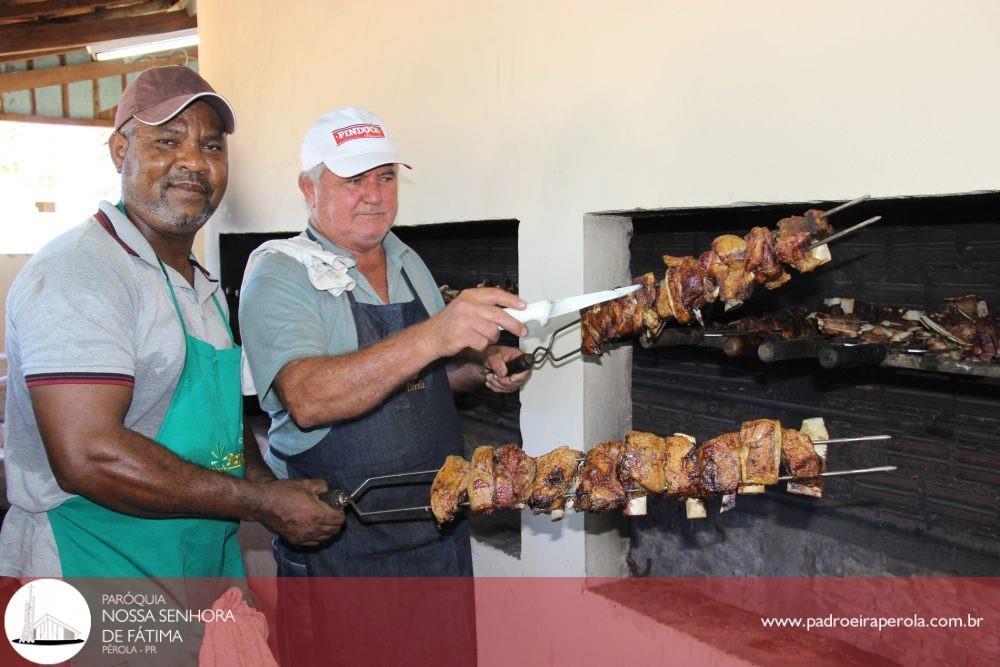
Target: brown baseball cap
point(160, 93)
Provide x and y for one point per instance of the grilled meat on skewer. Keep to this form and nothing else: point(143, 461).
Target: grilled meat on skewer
point(719, 464)
point(644, 462)
point(681, 467)
point(599, 487)
point(620, 317)
point(762, 259)
point(513, 473)
point(799, 457)
point(729, 270)
point(450, 487)
point(554, 473)
point(760, 453)
point(481, 481)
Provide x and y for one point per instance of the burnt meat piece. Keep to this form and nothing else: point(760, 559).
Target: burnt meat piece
point(762, 259)
point(619, 318)
point(798, 455)
point(450, 487)
point(599, 488)
point(481, 481)
point(644, 461)
point(513, 473)
point(554, 474)
point(760, 453)
point(719, 464)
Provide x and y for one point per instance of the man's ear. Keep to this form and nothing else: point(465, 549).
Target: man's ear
point(117, 145)
point(307, 187)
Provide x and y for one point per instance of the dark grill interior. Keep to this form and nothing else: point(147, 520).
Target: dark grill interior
point(940, 512)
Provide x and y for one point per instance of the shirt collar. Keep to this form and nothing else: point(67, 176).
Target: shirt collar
point(394, 248)
point(131, 239)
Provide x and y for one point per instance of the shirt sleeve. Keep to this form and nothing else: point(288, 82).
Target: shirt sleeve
point(279, 321)
point(74, 324)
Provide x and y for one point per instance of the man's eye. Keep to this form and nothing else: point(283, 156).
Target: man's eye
point(166, 142)
point(388, 178)
point(354, 181)
point(213, 147)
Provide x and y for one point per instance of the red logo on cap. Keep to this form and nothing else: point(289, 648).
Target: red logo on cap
point(360, 131)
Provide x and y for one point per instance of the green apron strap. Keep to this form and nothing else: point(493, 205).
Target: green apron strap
point(173, 296)
point(225, 320)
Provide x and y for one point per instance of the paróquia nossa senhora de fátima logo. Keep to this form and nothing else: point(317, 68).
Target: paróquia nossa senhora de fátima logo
point(47, 621)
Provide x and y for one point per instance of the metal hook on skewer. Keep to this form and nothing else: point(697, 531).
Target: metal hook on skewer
point(536, 357)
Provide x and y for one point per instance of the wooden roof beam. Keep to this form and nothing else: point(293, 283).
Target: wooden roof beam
point(57, 76)
point(24, 38)
point(49, 8)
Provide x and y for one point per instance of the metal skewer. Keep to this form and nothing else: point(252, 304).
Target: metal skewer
point(841, 207)
point(844, 232)
point(839, 473)
point(860, 438)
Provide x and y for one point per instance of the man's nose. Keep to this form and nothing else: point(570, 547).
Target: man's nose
point(372, 191)
point(189, 156)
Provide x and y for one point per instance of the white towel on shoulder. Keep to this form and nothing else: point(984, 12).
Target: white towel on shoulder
point(327, 272)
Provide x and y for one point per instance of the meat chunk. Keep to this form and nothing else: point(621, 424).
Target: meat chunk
point(798, 456)
point(450, 487)
point(760, 453)
point(644, 461)
point(481, 481)
point(762, 259)
point(513, 473)
point(689, 285)
point(681, 467)
point(619, 318)
point(719, 464)
point(554, 473)
point(599, 488)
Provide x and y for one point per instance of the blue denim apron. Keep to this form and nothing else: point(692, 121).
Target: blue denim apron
point(413, 429)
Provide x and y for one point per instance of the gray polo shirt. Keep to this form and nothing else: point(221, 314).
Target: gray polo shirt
point(92, 307)
point(284, 318)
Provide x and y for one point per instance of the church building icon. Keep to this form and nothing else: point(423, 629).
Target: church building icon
point(45, 630)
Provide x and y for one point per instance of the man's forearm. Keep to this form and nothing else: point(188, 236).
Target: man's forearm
point(134, 475)
point(323, 390)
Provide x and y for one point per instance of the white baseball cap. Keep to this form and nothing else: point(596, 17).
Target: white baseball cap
point(349, 140)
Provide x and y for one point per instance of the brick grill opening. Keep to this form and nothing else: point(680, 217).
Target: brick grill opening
point(940, 512)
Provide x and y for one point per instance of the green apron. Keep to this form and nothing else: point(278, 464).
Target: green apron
point(203, 425)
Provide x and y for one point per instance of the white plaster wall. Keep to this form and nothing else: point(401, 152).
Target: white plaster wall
point(544, 111)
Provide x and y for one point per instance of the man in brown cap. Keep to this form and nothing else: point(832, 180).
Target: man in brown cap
point(125, 443)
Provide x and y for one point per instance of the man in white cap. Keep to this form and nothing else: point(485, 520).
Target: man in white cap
point(357, 366)
point(125, 447)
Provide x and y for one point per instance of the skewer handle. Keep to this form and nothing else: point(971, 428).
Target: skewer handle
point(780, 350)
point(521, 364)
point(844, 356)
point(336, 498)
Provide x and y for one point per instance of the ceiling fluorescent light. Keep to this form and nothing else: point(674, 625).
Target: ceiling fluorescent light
point(131, 47)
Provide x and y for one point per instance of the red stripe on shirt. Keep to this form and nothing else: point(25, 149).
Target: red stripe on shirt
point(45, 379)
